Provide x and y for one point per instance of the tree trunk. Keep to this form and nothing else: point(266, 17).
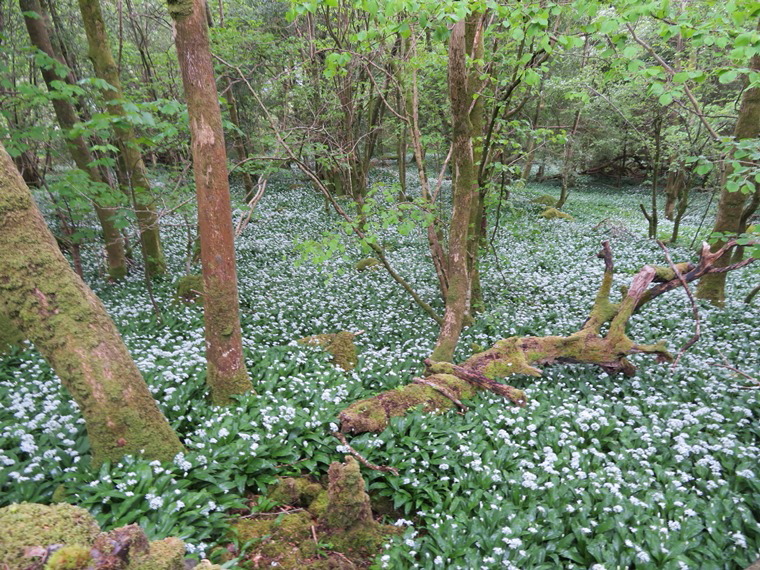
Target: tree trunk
point(731, 207)
point(226, 375)
point(78, 149)
point(240, 143)
point(129, 165)
point(53, 308)
point(475, 29)
point(675, 184)
point(464, 191)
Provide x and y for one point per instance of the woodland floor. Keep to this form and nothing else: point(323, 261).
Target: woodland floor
point(659, 470)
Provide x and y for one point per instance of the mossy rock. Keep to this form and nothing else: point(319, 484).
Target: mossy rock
point(545, 200)
point(554, 214)
point(26, 525)
point(365, 264)
point(190, 288)
point(340, 345)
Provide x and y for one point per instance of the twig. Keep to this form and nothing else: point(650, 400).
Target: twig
point(694, 309)
point(445, 391)
point(271, 514)
point(726, 364)
point(314, 535)
point(360, 457)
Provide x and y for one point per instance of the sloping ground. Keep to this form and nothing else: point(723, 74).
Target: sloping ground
point(655, 471)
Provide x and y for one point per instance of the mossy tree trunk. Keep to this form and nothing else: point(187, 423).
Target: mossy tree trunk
point(445, 384)
point(51, 306)
point(465, 190)
point(66, 116)
point(226, 375)
point(130, 167)
point(735, 208)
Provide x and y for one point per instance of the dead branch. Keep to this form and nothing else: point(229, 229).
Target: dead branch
point(526, 355)
point(694, 309)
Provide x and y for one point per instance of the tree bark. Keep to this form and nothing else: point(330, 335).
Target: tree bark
point(464, 191)
point(129, 166)
point(226, 375)
point(78, 149)
point(731, 207)
point(53, 308)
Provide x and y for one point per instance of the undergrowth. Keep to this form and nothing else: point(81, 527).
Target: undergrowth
point(655, 471)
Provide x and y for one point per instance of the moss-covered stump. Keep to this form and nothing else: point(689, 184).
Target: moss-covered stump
point(296, 491)
point(340, 345)
point(365, 264)
point(555, 214)
point(70, 539)
point(27, 525)
point(190, 289)
point(545, 200)
point(336, 530)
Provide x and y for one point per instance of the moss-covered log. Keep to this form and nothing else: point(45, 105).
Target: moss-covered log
point(445, 383)
point(51, 306)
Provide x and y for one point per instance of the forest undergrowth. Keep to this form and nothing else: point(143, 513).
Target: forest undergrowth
point(659, 470)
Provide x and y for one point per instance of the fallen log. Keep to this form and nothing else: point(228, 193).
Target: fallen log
point(446, 384)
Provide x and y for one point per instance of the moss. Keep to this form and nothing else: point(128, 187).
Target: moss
point(319, 505)
point(252, 529)
point(298, 492)
point(166, 554)
point(28, 524)
point(9, 334)
point(348, 503)
point(554, 213)
point(373, 414)
point(365, 264)
point(664, 274)
point(73, 557)
point(206, 565)
point(366, 415)
point(364, 541)
point(295, 527)
point(190, 289)
point(340, 345)
point(545, 200)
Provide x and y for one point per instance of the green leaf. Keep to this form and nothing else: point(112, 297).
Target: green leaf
point(727, 76)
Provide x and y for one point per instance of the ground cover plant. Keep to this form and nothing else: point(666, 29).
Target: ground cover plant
point(659, 470)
